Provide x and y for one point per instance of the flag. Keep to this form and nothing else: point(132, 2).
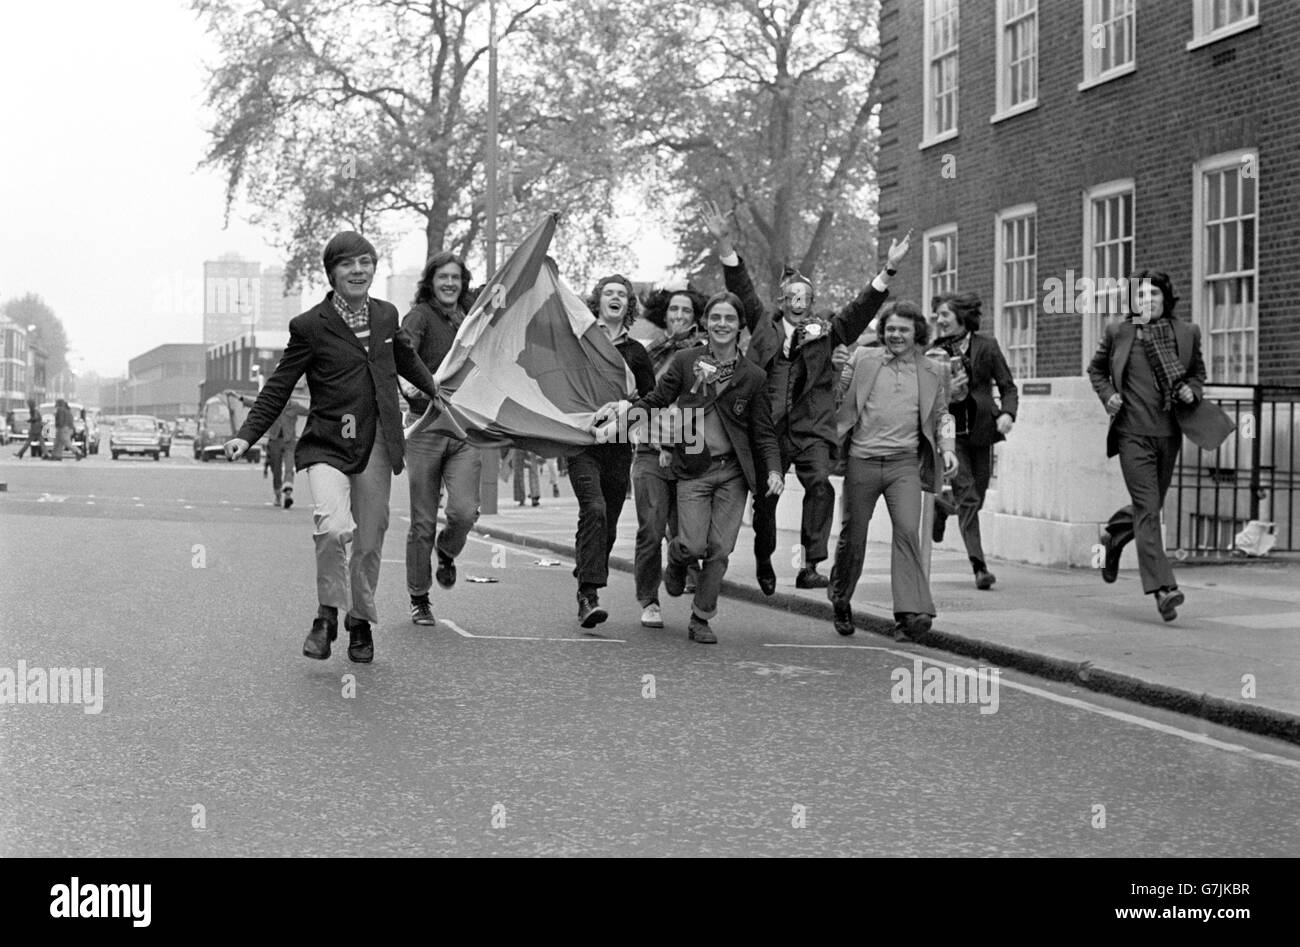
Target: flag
point(530, 365)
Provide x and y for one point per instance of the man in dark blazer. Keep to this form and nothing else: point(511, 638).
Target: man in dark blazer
point(981, 422)
point(727, 448)
point(794, 349)
point(1149, 374)
point(351, 350)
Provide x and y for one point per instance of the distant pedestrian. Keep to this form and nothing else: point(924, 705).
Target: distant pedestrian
point(34, 428)
point(525, 462)
point(1149, 374)
point(63, 428)
point(281, 440)
point(351, 350)
point(892, 424)
point(980, 421)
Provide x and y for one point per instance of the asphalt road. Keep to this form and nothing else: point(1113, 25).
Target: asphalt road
point(505, 730)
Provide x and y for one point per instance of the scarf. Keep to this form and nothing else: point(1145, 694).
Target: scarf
point(1162, 353)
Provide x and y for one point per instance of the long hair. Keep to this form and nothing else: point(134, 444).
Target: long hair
point(424, 289)
point(905, 309)
point(656, 307)
point(593, 301)
point(1162, 282)
point(725, 297)
point(965, 307)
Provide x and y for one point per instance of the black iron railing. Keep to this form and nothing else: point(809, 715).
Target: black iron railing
point(1252, 476)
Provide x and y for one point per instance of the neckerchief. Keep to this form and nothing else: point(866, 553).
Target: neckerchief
point(1162, 353)
point(356, 320)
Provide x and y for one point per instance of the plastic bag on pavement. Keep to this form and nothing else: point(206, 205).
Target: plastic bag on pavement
point(1256, 539)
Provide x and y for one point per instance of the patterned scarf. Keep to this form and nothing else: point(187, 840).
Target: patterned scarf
point(1162, 353)
point(356, 320)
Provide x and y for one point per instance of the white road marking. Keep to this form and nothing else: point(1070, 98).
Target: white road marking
point(465, 634)
point(1077, 704)
point(1287, 620)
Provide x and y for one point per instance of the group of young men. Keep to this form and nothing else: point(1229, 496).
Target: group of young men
point(899, 418)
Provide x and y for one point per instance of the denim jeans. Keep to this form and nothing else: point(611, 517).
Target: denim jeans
point(599, 475)
point(898, 479)
point(433, 460)
point(709, 511)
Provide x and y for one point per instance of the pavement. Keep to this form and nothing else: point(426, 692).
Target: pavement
point(1232, 656)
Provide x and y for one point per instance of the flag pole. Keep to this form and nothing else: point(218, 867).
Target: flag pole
point(491, 456)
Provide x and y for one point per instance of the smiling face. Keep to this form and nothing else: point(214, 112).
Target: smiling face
point(900, 334)
point(680, 315)
point(351, 278)
point(723, 324)
point(945, 321)
point(447, 284)
point(613, 304)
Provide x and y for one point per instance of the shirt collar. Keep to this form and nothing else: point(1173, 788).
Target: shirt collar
point(345, 310)
point(907, 358)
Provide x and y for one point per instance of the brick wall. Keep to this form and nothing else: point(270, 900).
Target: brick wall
point(1178, 107)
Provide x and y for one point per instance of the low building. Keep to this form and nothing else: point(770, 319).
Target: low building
point(163, 382)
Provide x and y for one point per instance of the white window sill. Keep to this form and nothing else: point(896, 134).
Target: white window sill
point(1224, 32)
point(928, 142)
point(1014, 111)
point(1105, 77)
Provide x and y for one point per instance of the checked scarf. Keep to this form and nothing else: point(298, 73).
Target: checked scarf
point(1162, 353)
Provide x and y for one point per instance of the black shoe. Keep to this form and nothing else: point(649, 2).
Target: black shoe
point(936, 531)
point(916, 625)
point(984, 580)
point(361, 646)
point(699, 630)
point(422, 613)
point(810, 578)
point(1110, 570)
point(288, 497)
point(675, 579)
point(766, 576)
point(537, 501)
point(555, 489)
point(1167, 601)
point(843, 618)
point(446, 574)
point(590, 614)
point(323, 631)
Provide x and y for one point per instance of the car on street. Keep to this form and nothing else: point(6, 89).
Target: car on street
point(219, 421)
point(85, 431)
point(136, 434)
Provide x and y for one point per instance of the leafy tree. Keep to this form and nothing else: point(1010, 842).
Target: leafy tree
point(767, 106)
point(31, 309)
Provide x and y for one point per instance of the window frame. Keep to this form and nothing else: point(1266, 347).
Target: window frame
point(1202, 15)
point(1092, 76)
point(1001, 331)
point(949, 229)
point(1093, 329)
point(1006, 110)
point(929, 134)
point(1200, 316)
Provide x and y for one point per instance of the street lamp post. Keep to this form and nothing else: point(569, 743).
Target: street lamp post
point(491, 457)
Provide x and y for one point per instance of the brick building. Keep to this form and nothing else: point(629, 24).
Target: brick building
point(1076, 140)
point(1045, 150)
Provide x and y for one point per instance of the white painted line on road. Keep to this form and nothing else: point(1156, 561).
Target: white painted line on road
point(1081, 705)
point(465, 634)
point(1287, 620)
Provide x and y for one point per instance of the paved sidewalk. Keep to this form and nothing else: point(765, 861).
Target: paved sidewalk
point(1063, 624)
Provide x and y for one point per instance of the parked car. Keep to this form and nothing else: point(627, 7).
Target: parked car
point(165, 436)
point(136, 434)
point(219, 421)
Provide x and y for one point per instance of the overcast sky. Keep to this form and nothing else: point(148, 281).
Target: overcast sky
point(107, 216)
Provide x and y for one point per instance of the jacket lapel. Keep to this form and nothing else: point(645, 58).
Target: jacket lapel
point(1124, 337)
point(865, 378)
point(334, 322)
point(1183, 342)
